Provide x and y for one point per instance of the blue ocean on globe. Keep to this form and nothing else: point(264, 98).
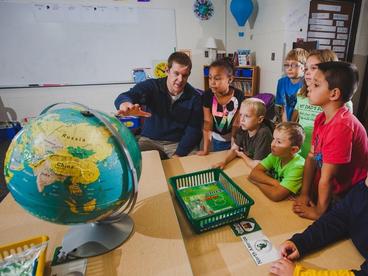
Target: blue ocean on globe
point(66, 167)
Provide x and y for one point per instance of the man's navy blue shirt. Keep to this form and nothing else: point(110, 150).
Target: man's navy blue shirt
point(180, 121)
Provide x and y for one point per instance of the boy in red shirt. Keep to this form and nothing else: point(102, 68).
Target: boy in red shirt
point(338, 157)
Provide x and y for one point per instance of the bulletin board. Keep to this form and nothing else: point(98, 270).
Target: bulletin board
point(331, 24)
point(70, 44)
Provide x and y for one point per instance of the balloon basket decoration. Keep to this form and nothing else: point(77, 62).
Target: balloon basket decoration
point(77, 166)
point(241, 10)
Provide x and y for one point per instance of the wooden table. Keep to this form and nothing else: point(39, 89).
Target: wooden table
point(220, 252)
point(155, 248)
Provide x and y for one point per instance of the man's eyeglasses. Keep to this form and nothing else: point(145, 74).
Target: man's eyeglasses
point(292, 65)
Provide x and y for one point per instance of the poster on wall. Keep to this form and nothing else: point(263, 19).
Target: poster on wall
point(330, 24)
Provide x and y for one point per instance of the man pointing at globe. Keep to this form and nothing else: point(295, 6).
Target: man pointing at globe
point(173, 110)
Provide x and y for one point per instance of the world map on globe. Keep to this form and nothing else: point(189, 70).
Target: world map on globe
point(66, 167)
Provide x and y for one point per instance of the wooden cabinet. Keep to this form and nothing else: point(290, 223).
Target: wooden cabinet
point(246, 78)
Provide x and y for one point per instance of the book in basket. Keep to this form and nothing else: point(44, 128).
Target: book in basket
point(207, 199)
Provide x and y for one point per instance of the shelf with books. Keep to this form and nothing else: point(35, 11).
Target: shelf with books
point(243, 78)
point(246, 78)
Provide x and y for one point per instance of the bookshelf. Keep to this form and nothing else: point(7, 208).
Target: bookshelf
point(246, 79)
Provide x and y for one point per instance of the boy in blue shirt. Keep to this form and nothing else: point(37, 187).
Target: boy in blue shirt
point(289, 85)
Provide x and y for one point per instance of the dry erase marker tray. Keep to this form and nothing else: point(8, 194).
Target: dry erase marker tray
point(210, 199)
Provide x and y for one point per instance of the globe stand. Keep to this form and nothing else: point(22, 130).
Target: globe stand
point(88, 240)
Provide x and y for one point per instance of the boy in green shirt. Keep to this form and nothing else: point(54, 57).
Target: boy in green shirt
point(280, 174)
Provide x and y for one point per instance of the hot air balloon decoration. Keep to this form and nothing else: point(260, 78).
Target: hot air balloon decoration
point(241, 10)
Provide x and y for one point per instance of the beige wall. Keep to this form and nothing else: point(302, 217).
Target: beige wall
point(361, 51)
point(277, 25)
point(191, 34)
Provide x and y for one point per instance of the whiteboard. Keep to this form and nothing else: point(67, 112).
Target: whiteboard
point(72, 44)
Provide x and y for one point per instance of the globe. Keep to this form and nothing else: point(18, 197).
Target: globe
point(67, 167)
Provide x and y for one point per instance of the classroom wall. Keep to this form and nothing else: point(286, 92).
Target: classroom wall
point(277, 25)
point(191, 34)
point(361, 52)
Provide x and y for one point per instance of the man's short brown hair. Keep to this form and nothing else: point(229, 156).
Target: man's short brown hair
point(180, 58)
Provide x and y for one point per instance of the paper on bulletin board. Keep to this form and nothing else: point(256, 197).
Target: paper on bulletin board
point(339, 42)
point(321, 15)
point(322, 28)
point(324, 47)
point(342, 30)
point(342, 36)
point(321, 35)
point(338, 16)
point(323, 7)
point(338, 49)
point(320, 21)
point(320, 41)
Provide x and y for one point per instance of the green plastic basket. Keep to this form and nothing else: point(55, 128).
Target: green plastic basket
point(242, 200)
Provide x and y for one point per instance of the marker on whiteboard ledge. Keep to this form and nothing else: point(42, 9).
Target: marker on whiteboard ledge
point(51, 85)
